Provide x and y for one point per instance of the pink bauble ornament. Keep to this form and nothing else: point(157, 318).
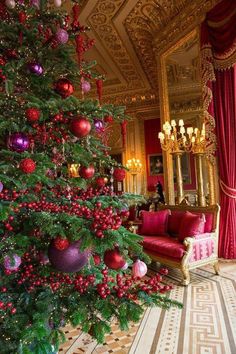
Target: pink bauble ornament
point(139, 269)
point(62, 36)
point(57, 3)
point(10, 4)
point(1, 187)
point(85, 86)
point(12, 263)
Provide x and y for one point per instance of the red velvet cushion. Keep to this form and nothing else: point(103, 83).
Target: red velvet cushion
point(154, 222)
point(164, 245)
point(191, 225)
point(174, 221)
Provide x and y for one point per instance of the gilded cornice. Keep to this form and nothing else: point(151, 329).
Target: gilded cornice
point(189, 18)
point(101, 21)
point(144, 20)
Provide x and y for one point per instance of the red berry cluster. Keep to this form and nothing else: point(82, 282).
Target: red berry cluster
point(7, 308)
point(104, 219)
point(128, 286)
point(81, 283)
point(59, 118)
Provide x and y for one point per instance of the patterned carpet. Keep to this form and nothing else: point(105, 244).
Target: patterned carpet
point(206, 325)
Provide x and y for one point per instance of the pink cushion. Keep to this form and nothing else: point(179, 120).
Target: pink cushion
point(154, 222)
point(174, 221)
point(191, 225)
point(209, 221)
point(164, 245)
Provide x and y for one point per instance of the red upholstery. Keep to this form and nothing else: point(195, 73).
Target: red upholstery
point(154, 222)
point(164, 245)
point(191, 225)
point(174, 221)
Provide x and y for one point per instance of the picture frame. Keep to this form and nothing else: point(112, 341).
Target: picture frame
point(155, 165)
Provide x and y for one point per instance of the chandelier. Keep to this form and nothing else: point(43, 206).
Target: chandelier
point(177, 138)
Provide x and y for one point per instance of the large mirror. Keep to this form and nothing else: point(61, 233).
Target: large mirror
point(181, 102)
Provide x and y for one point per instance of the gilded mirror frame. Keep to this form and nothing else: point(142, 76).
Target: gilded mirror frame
point(165, 116)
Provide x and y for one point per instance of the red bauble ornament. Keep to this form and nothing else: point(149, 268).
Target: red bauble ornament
point(64, 87)
point(108, 119)
point(97, 259)
point(100, 181)
point(27, 165)
point(87, 172)
point(61, 243)
point(119, 174)
point(80, 127)
point(32, 114)
point(113, 259)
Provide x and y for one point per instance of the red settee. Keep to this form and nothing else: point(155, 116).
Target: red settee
point(182, 237)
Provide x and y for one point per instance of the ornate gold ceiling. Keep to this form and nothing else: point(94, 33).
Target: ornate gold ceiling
point(126, 34)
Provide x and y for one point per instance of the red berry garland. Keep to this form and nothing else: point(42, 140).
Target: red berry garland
point(32, 114)
point(27, 166)
point(61, 243)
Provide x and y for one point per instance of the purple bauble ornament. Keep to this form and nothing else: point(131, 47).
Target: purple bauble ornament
point(35, 68)
point(35, 3)
point(1, 187)
point(18, 142)
point(69, 260)
point(85, 86)
point(62, 36)
point(98, 124)
point(12, 263)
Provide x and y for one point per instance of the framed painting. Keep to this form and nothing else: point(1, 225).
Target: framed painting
point(155, 164)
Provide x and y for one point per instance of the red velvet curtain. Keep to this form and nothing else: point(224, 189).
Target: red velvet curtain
point(218, 52)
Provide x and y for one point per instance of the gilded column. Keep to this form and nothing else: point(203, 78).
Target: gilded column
point(200, 187)
point(179, 177)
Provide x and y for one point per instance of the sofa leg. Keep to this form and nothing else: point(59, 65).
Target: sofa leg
point(216, 267)
point(186, 276)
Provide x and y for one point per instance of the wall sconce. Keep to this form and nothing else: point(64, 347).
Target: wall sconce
point(134, 165)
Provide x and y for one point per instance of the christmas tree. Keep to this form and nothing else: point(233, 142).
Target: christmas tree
point(64, 254)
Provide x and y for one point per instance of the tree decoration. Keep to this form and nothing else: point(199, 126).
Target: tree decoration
point(18, 142)
point(64, 87)
point(10, 4)
point(35, 68)
point(61, 243)
point(100, 181)
point(119, 174)
point(32, 114)
point(27, 166)
point(1, 187)
point(80, 127)
point(98, 125)
point(85, 86)
point(12, 262)
point(113, 259)
point(97, 259)
point(68, 260)
point(57, 3)
point(87, 172)
point(124, 131)
point(62, 36)
point(35, 3)
point(139, 269)
point(108, 119)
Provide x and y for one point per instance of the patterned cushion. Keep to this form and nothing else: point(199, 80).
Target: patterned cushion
point(191, 225)
point(154, 222)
